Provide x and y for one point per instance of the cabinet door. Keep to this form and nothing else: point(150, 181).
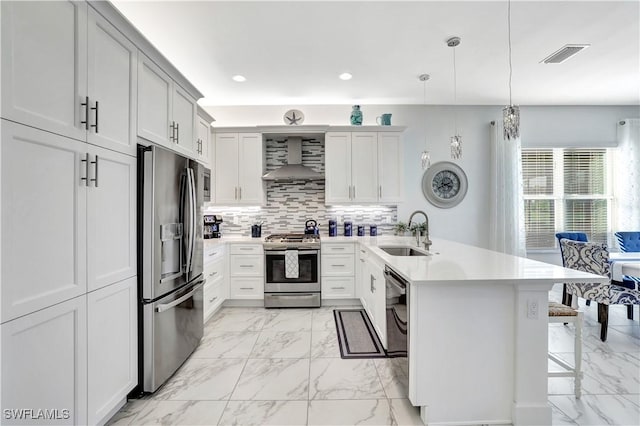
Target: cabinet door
point(337, 168)
point(364, 163)
point(250, 169)
point(154, 103)
point(44, 362)
point(44, 64)
point(111, 218)
point(378, 301)
point(112, 80)
point(226, 168)
point(204, 138)
point(43, 219)
point(390, 172)
point(184, 116)
point(113, 351)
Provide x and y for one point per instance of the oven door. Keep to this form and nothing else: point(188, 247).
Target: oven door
point(308, 277)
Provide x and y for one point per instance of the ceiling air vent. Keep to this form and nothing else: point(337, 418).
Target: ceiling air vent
point(564, 53)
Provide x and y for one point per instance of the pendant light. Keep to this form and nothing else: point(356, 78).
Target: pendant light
point(510, 113)
point(425, 157)
point(456, 139)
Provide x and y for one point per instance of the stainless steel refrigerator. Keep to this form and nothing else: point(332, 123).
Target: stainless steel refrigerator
point(170, 245)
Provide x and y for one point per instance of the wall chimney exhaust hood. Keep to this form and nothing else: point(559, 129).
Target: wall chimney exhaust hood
point(294, 170)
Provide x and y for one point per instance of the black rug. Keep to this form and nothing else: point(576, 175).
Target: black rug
point(356, 335)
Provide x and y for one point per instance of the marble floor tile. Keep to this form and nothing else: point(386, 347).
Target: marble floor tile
point(127, 413)
point(265, 413)
point(616, 341)
point(202, 379)
point(237, 319)
point(324, 344)
point(350, 412)
point(404, 413)
point(289, 320)
point(633, 398)
point(562, 338)
point(560, 418)
point(323, 320)
point(273, 379)
point(598, 410)
point(590, 385)
point(336, 378)
point(180, 413)
point(617, 371)
point(629, 330)
point(282, 344)
point(394, 376)
point(226, 344)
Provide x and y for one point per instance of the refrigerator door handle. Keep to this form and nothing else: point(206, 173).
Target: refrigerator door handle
point(191, 220)
point(166, 306)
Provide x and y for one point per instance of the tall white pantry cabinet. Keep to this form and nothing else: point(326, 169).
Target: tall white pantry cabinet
point(68, 237)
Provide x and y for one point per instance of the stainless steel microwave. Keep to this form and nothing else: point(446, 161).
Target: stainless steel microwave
point(207, 185)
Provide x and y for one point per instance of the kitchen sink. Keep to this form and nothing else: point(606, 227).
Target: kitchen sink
point(403, 251)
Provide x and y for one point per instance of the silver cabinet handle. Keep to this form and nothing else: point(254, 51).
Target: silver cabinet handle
point(235, 197)
point(86, 169)
point(337, 288)
point(95, 126)
point(167, 306)
point(213, 254)
point(362, 260)
point(213, 273)
point(350, 192)
point(246, 266)
point(172, 126)
point(177, 132)
point(246, 288)
point(373, 286)
point(214, 298)
point(380, 191)
point(354, 191)
point(85, 104)
point(337, 248)
point(95, 180)
point(341, 265)
point(246, 248)
point(362, 251)
point(240, 197)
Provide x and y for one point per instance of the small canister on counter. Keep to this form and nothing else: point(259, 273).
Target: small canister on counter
point(348, 231)
point(333, 228)
point(360, 230)
point(373, 230)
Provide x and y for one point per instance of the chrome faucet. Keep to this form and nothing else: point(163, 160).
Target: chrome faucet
point(427, 241)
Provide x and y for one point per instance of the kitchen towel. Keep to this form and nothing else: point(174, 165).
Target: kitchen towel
point(292, 269)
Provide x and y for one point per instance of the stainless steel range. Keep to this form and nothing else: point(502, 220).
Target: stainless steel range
point(292, 278)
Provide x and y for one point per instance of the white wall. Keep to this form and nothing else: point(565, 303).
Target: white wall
point(432, 125)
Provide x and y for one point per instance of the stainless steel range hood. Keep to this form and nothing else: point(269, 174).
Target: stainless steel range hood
point(294, 170)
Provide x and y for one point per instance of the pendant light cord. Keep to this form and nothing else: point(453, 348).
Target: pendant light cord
point(455, 95)
point(510, 66)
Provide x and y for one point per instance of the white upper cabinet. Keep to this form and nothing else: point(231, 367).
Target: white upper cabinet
point(66, 70)
point(203, 137)
point(44, 229)
point(112, 80)
point(44, 64)
point(111, 218)
point(390, 173)
point(363, 167)
point(364, 160)
point(238, 169)
point(166, 112)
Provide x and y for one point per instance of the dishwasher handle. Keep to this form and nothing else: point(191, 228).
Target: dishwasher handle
point(395, 281)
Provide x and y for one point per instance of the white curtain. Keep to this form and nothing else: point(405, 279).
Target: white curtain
point(507, 231)
point(626, 176)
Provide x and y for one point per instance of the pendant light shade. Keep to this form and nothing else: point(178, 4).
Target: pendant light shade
point(510, 113)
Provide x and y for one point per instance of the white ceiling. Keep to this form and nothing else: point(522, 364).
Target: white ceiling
point(292, 52)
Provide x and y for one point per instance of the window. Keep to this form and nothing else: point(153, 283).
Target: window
point(565, 190)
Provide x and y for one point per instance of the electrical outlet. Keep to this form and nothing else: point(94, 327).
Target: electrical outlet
point(532, 309)
point(236, 220)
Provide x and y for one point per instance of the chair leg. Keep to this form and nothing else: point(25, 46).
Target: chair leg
point(564, 295)
point(630, 312)
point(567, 299)
point(588, 302)
point(603, 314)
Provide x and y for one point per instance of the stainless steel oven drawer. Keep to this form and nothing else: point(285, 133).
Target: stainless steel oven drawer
point(292, 300)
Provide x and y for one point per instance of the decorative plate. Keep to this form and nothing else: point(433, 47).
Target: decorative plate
point(293, 117)
point(444, 184)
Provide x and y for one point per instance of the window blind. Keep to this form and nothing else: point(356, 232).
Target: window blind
point(537, 171)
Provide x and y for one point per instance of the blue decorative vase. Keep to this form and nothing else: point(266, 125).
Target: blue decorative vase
point(356, 116)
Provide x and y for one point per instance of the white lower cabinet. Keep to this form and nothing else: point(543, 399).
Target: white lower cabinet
point(44, 364)
point(338, 270)
point(246, 271)
point(215, 287)
point(112, 347)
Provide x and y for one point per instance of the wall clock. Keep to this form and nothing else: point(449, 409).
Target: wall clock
point(293, 117)
point(444, 184)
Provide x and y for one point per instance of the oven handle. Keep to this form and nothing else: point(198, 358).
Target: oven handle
point(297, 296)
point(280, 252)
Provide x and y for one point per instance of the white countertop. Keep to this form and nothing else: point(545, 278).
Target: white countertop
point(450, 262)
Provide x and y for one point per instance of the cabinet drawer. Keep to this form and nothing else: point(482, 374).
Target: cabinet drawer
point(337, 248)
point(338, 288)
point(247, 288)
point(246, 265)
point(337, 265)
point(213, 252)
point(213, 297)
point(214, 270)
point(245, 249)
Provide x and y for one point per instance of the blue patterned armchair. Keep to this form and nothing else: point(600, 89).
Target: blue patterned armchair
point(575, 236)
point(594, 258)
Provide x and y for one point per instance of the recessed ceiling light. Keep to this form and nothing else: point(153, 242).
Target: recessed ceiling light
point(239, 78)
point(345, 76)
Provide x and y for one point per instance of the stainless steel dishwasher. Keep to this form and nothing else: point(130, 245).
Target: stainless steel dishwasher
point(397, 312)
